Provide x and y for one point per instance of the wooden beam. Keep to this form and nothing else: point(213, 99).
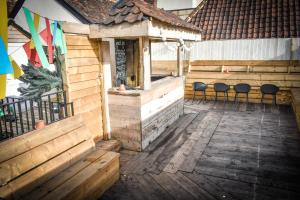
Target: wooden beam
point(145, 63)
point(69, 27)
point(180, 61)
point(145, 28)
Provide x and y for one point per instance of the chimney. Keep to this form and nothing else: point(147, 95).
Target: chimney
point(153, 2)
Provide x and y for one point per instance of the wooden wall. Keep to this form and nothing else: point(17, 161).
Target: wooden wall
point(15, 36)
point(137, 118)
point(81, 73)
point(285, 74)
point(166, 67)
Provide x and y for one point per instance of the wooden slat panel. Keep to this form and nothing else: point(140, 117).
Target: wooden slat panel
point(79, 40)
point(75, 62)
point(78, 53)
point(23, 184)
point(21, 144)
point(18, 165)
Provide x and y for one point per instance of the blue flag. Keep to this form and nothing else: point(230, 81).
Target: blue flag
point(5, 65)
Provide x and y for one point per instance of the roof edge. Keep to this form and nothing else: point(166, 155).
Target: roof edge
point(74, 11)
point(195, 11)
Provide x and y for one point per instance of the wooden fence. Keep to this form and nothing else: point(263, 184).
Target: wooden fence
point(284, 74)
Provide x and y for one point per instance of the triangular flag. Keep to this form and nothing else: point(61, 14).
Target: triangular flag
point(3, 22)
point(5, 65)
point(49, 41)
point(36, 39)
point(4, 37)
point(54, 31)
point(59, 39)
point(17, 69)
point(2, 86)
point(36, 21)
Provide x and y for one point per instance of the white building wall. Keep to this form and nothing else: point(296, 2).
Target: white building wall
point(177, 4)
point(252, 49)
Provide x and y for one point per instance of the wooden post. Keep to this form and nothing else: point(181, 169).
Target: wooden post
point(145, 63)
point(104, 95)
point(179, 61)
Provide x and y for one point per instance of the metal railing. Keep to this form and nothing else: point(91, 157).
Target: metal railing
point(19, 116)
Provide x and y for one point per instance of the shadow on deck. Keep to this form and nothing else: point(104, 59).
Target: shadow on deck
point(217, 151)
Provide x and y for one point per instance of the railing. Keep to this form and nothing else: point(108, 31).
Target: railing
point(19, 116)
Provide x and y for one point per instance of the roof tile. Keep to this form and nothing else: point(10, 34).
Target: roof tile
point(243, 19)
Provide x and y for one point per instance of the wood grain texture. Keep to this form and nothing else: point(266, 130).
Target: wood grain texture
point(284, 74)
point(228, 151)
point(82, 82)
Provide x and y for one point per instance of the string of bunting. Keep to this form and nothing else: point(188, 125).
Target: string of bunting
point(52, 35)
point(5, 65)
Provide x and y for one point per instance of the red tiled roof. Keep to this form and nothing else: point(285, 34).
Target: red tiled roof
point(132, 11)
point(245, 19)
point(93, 11)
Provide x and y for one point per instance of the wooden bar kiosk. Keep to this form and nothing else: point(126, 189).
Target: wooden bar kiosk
point(141, 106)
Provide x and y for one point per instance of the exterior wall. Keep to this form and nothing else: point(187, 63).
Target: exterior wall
point(177, 4)
point(82, 83)
point(255, 62)
point(254, 49)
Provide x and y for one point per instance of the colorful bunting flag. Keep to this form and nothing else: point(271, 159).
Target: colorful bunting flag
point(2, 86)
point(4, 36)
point(17, 69)
point(36, 21)
point(5, 65)
point(49, 41)
point(36, 39)
point(59, 39)
point(54, 31)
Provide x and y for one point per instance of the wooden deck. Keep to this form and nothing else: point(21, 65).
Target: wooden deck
point(217, 151)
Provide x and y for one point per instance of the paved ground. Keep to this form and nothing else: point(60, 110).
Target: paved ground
point(217, 151)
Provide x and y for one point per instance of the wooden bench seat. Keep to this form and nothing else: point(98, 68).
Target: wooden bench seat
point(296, 104)
point(57, 162)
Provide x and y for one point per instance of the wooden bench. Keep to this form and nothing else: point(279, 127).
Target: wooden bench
point(296, 104)
point(57, 162)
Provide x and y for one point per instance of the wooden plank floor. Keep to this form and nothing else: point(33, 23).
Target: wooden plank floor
point(217, 150)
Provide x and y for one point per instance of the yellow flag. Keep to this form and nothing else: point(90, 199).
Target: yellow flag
point(3, 22)
point(17, 69)
point(36, 22)
point(2, 85)
point(4, 35)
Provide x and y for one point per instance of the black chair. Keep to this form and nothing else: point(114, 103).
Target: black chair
point(221, 87)
point(242, 88)
point(269, 89)
point(199, 86)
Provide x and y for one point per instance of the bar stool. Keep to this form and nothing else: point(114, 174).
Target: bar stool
point(243, 88)
point(199, 86)
point(269, 89)
point(221, 87)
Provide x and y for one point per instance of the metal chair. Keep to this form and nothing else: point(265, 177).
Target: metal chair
point(243, 88)
point(221, 87)
point(199, 86)
point(269, 89)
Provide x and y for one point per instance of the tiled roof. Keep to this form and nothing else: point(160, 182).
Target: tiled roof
point(132, 11)
point(94, 11)
point(245, 19)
